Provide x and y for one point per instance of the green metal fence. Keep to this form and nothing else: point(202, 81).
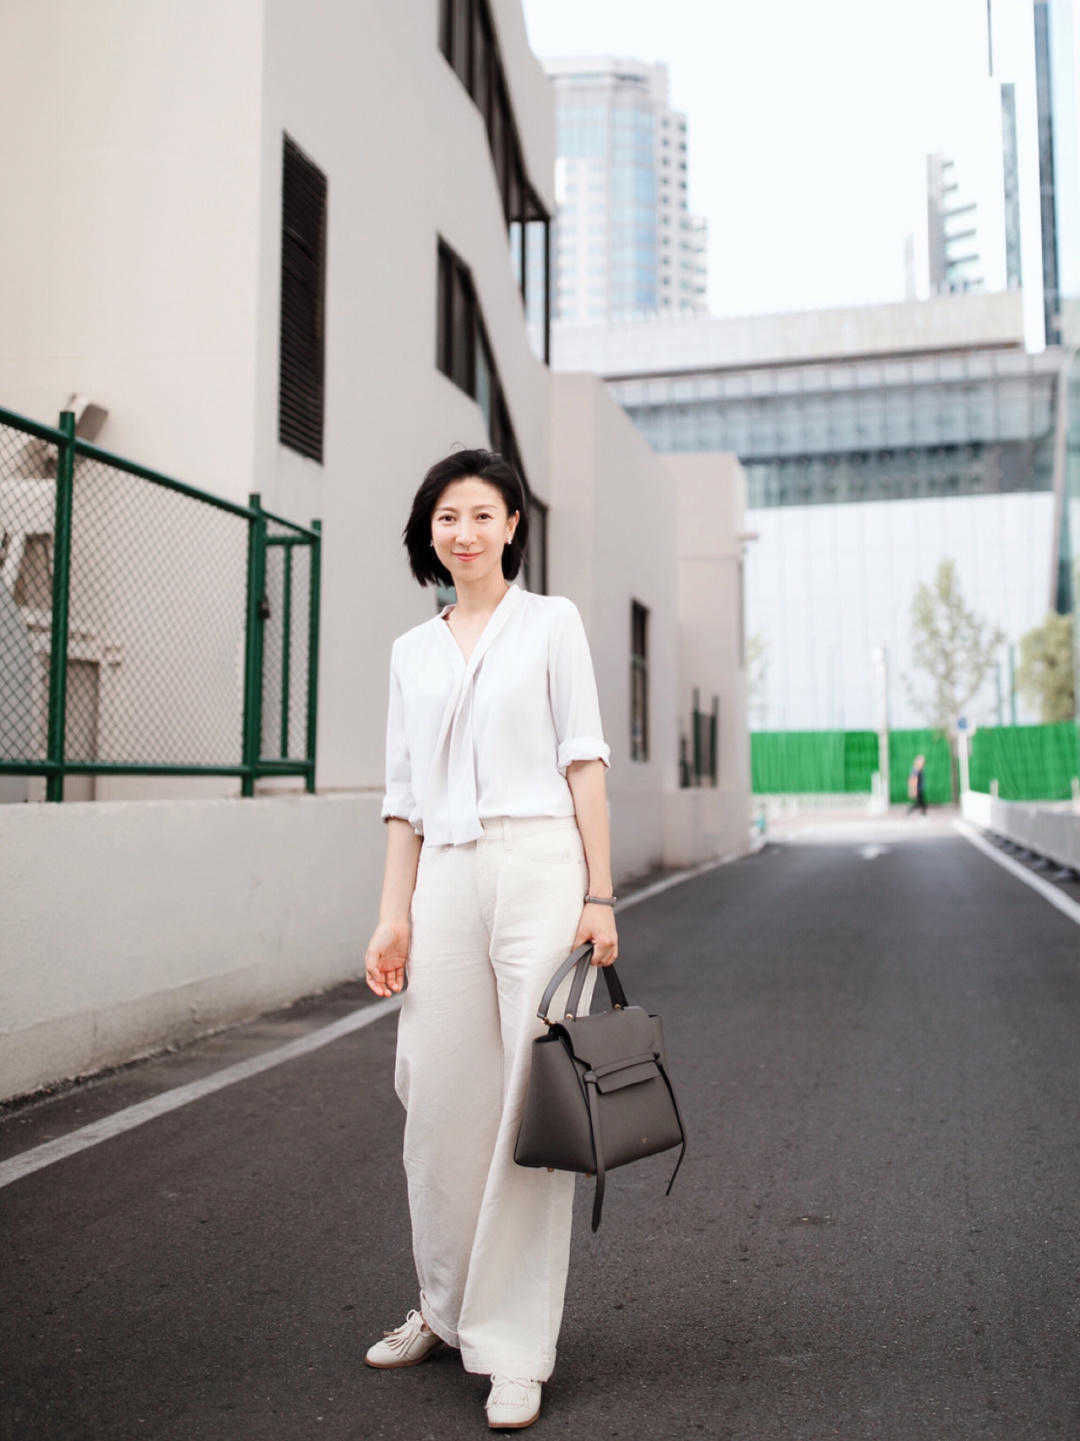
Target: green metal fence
point(1028, 762)
point(800, 762)
point(148, 627)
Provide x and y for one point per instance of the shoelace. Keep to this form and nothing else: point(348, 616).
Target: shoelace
point(518, 1386)
point(402, 1335)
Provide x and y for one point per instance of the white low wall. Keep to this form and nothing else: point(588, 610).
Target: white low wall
point(1051, 829)
point(132, 925)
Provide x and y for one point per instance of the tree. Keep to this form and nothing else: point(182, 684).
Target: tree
point(1045, 674)
point(956, 651)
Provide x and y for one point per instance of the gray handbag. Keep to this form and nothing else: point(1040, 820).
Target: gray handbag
point(599, 1094)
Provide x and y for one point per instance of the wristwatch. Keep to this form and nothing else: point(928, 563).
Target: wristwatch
point(601, 900)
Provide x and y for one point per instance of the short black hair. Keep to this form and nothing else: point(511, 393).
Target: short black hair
point(486, 465)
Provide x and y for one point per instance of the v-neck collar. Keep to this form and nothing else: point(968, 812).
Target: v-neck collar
point(495, 622)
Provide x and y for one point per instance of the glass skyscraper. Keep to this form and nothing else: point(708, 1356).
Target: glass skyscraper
point(625, 242)
point(1057, 92)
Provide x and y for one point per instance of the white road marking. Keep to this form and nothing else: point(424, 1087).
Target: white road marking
point(131, 1116)
point(1051, 893)
point(154, 1106)
point(870, 853)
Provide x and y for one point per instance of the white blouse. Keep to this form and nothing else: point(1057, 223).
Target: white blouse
point(493, 735)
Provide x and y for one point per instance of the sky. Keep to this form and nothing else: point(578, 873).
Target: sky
point(807, 121)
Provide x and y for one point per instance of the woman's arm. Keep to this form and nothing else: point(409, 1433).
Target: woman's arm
point(589, 789)
point(582, 756)
point(388, 949)
point(399, 875)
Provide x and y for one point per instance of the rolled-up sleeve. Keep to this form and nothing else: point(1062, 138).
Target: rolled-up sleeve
point(398, 799)
point(575, 704)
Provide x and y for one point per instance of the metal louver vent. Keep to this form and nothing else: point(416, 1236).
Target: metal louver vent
point(303, 309)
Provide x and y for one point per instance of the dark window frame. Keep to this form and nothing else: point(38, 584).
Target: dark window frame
point(302, 302)
point(639, 681)
point(453, 276)
point(467, 25)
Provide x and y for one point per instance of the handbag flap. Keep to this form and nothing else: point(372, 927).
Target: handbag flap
point(620, 1076)
point(613, 1036)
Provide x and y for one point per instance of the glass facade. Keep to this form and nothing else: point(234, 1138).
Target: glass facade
point(972, 423)
point(626, 244)
point(1057, 88)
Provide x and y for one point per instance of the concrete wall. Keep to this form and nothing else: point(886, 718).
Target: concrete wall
point(129, 925)
point(130, 234)
point(613, 538)
point(645, 346)
point(711, 492)
point(632, 525)
point(1049, 829)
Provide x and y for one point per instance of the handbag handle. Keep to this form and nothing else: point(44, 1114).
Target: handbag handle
point(582, 959)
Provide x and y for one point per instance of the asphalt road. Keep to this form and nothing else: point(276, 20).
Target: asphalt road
point(874, 1233)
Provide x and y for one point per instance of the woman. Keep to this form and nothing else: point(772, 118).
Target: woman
point(497, 866)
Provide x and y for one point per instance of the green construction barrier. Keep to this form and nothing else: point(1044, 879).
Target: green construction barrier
point(1029, 763)
point(801, 762)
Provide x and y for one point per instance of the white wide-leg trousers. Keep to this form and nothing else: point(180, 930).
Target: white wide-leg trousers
point(491, 921)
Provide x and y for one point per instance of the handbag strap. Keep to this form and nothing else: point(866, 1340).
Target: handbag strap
point(678, 1116)
point(595, 1130)
point(598, 1151)
point(582, 959)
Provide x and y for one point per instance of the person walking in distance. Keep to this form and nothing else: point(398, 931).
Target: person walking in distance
point(497, 867)
point(916, 785)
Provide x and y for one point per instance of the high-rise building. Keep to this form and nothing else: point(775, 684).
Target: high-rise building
point(626, 243)
point(1057, 94)
point(971, 237)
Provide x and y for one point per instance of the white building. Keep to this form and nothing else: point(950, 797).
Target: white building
point(183, 176)
point(877, 441)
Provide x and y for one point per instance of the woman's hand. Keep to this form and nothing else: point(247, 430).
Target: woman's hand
point(387, 952)
point(597, 924)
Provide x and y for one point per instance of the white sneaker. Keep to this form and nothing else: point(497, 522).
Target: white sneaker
point(513, 1401)
point(406, 1345)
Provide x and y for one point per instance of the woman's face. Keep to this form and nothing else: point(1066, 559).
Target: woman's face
point(471, 520)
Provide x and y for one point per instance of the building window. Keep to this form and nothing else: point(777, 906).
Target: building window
point(460, 54)
point(34, 583)
point(467, 40)
point(463, 353)
point(639, 682)
point(301, 375)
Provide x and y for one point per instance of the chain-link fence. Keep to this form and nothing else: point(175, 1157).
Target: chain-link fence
point(146, 627)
